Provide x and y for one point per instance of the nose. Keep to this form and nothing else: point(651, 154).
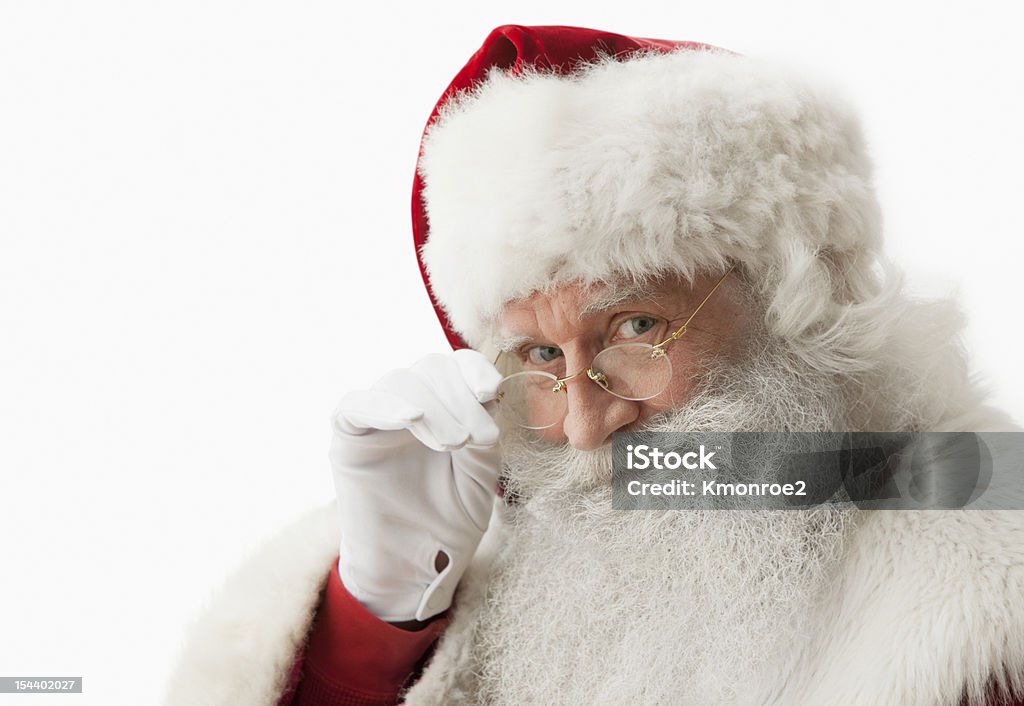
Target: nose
point(593, 415)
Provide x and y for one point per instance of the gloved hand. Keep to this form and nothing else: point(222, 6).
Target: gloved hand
point(415, 463)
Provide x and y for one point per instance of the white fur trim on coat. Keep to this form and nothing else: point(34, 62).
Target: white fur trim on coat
point(927, 606)
point(243, 645)
point(664, 162)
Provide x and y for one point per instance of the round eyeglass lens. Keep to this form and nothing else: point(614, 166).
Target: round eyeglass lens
point(529, 400)
point(632, 371)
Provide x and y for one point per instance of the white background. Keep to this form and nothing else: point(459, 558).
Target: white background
point(205, 239)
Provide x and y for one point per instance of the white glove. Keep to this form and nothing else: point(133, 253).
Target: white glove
point(415, 463)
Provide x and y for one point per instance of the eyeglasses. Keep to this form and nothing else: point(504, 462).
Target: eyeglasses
point(630, 371)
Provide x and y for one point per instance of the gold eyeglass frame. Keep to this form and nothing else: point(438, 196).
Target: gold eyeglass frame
point(657, 351)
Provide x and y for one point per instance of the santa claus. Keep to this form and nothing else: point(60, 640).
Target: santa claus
point(625, 234)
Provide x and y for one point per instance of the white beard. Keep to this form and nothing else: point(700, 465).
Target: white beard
point(593, 605)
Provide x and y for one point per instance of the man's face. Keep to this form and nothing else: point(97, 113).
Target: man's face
point(729, 374)
point(565, 329)
point(598, 604)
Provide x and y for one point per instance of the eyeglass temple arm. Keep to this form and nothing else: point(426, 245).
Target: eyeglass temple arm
point(682, 329)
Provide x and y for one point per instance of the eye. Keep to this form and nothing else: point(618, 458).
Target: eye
point(636, 326)
point(541, 355)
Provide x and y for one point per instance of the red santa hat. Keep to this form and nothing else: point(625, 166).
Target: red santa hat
point(567, 154)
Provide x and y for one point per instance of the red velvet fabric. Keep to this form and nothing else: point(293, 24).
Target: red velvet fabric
point(511, 47)
point(353, 658)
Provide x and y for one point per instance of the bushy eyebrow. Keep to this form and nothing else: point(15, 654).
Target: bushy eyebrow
point(507, 344)
point(616, 296)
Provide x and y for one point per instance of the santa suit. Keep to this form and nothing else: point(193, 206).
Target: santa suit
point(948, 583)
point(928, 607)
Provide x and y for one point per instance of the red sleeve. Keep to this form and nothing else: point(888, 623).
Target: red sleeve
point(353, 658)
